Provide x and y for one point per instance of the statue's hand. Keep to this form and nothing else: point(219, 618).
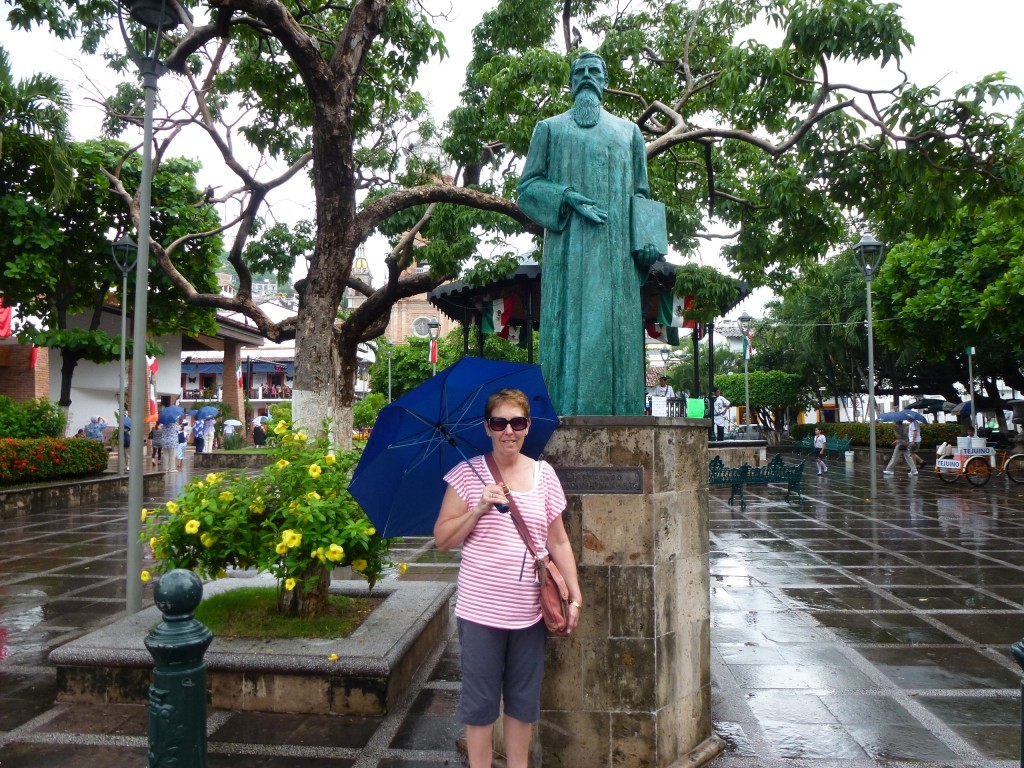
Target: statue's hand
point(645, 257)
point(586, 207)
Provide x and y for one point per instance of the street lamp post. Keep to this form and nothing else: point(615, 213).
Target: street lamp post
point(121, 251)
point(391, 347)
point(869, 255)
point(745, 327)
point(435, 331)
point(156, 17)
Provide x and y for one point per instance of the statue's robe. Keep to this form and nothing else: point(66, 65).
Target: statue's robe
point(591, 335)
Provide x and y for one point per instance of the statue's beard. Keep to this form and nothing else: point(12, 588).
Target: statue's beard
point(586, 109)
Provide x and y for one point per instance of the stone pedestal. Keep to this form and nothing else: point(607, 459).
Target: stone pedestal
point(632, 686)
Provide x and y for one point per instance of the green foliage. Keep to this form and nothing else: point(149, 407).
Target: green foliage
point(364, 413)
point(233, 442)
point(31, 418)
point(859, 433)
point(711, 290)
point(39, 459)
point(410, 366)
point(295, 514)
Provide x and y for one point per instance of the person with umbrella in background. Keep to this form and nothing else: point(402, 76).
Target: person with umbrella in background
point(901, 446)
point(501, 629)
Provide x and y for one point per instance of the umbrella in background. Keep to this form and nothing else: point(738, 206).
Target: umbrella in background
point(206, 412)
point(903, 416)
point(127, 420)
point(927, 404)
point(232, 423)
point(399, 482)
point(961, 409)
point(170, 414)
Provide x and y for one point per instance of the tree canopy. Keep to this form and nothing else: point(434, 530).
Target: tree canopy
point(751, 142)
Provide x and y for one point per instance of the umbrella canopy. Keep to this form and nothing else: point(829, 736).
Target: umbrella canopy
point(399, 482)
point(905, 415)
point(206, 412)
point(170, 414)
point(927, 403)
point(127, 421)
point(961, 409)
point(232, 423)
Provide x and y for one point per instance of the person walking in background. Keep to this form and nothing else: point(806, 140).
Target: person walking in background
point(664, 389)
point(914, 442)
point(900, 448)
point(94, 429)
point(197, 437)
point(180, 450)
point(719, 406)
point(156, 450)
point(209, 431)
point(820, 442)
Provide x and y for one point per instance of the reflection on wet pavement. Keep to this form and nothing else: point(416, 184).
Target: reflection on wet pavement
point(850, 632)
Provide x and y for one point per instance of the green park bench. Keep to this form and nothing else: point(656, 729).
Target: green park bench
point(775, 471)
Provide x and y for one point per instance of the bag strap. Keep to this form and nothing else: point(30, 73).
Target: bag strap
point(517, 518)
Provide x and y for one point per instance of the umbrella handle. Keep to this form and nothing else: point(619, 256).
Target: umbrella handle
point(502, 508)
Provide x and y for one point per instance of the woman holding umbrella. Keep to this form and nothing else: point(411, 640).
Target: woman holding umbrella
point(501, 629)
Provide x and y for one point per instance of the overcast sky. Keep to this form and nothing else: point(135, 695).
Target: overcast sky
point(956, 42)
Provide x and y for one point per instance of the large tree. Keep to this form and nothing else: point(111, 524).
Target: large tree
point(757, 140)
point(58, 266)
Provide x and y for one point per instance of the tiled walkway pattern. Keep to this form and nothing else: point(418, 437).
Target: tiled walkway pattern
point(845, 633)
point(854, 633)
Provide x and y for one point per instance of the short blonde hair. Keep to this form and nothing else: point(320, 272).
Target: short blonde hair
point(514, 397)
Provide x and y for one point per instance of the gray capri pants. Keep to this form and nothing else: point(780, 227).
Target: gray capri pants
point(497, 664)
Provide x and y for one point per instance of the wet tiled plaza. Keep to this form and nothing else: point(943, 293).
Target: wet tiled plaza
point(846, 632)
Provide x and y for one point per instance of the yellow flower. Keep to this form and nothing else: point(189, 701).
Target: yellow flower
point(172, 507)
point(281, 428)
point(225, 496)
point(314, 471)
point(293, 540)
point(199, 485)
point(281, 548)
point(145, 576)
point(359, 565)
point(318, 553)
point(212, 478)
point(370, 531)
point(333, 657)
point(335, 553)
point(192, 526)
point(207, 540)
point(258, 506)
point(289, 584)
point(403, 567)
point(330, 459)
point(300, 437)
point(144, 514)
point(281, 464)
point(152, 542)
point(313, 495)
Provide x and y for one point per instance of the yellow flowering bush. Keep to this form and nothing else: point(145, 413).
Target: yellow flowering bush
point(295, 519)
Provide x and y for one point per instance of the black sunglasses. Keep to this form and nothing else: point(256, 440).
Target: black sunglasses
point(498, 424)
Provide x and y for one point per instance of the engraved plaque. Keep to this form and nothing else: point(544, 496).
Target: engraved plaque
point(601, 479)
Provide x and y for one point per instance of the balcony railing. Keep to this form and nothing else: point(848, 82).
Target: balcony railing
point(270, 392)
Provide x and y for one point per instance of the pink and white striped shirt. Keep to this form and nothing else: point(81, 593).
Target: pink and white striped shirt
point(497, 586)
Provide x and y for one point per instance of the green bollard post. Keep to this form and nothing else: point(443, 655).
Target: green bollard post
point(1017, 649)
point(177, 695)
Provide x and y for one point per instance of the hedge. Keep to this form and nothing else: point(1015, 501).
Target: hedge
point(31, 418)
point(41, 459)
point(858, 432)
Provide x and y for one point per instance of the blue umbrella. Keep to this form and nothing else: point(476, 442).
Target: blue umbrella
point(170, 414)
point(206, 412)
point(904, 415)
point(399, 481)
point(127, 421)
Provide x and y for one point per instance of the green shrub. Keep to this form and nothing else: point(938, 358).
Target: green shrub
point(364, 412)
point(859, 433)
point(36, 460)
point(233, 442)
point(31, 418)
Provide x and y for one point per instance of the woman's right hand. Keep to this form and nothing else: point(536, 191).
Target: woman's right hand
point(491, 497)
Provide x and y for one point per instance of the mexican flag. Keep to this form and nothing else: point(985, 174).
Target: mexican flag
point(432, 351)
point(664, 333)
point(238, 373)
point(671, 309)
point(497, 314)
point(748, 344)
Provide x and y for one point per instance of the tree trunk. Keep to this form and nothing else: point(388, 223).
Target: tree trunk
point(309, 598)
point(69, 361)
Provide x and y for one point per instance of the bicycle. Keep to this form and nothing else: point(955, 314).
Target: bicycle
point(978, 465)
